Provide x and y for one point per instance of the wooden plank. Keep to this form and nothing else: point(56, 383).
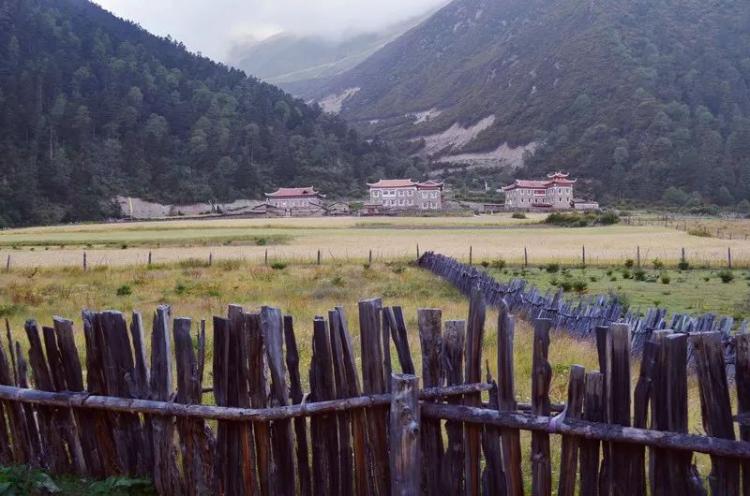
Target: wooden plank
point(405, 453)
point(493, 478)
point(223, 475)
point(385, 337)
point(300, 424)
point(742, 381)
point(395, 318)
point(342, 391)
point(166, 474)
point(51, 436)
point(23, 452)
point(473, 373)
point(672, 473)
point(195, 445)
point(96, 385)
point(510, 440)
point(373, 383)
point(324, 429)
point(140, 384)
point(248, 386)
point(363, 466)
point(453, 371)
point(541, 467)
point(281, 430)
point(573, 410)
point(429, 323)
point(716, 408)
point(38, 450)
point(593, 411)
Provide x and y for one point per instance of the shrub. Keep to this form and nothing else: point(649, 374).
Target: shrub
point(665, 279)
point(484, 263)
point(639, 275)
point(566, 286)
point(278, 265)
point(658, 264)
point(261, 241)
point(519, 215)
point(626, 274)
point(608, 219)
point(498, 264)
point(180, 289)
point(701, 233)
point(726, 276)
point(552, 268)
point(580, 286)
point(683, 265)
point(629, 263)
point(124, 290)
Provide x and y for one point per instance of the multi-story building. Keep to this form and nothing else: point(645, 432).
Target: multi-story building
point(406, 194)
point(296, 201)
point(556, 192)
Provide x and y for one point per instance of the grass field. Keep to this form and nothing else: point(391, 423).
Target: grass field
point(351, 239)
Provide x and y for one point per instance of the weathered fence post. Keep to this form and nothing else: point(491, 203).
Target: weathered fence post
point(716, 408)
point(149, 258)
point(541, 478)
point(318, 261)
point(593, 411)
point(471, 255)
point(85, 263)
point(729, 257)
point(417, 251)
point(210, 259)
point(7, 264)
point(638, 256)
point(405, 453)
point(453, 363)
point(430, 321)
point(583, 256)
point(369, 258)
point(569, 456)
point(510, 439)
point(525, 257)
point(265, 258)
point(472, 433)
point(683, 259)
point(742, 377)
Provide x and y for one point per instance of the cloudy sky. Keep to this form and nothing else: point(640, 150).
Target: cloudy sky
point(211, 26)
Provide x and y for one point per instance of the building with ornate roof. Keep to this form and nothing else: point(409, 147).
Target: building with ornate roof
point(296, 201)
point(555, 192)
point(405, 194)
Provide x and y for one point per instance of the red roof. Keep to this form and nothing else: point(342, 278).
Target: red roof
point(393, 183)
point(294, 193)
point(556, 179)
point(405, 183)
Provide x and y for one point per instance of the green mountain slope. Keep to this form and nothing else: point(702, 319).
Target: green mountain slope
point(631, 96)
point(92, 106)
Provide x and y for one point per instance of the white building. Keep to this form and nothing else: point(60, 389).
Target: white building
point(406, 194)
point(554, 193)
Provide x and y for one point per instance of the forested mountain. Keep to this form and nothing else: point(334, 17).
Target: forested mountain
point(92, 106)
point(631, 96)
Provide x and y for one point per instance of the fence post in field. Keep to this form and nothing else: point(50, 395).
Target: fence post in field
point(716, 408)
point(638, 256)
point(318, 257)
point(404, 436)
point(573, 409)
point(510, 439)
point(525, 257)
point(149, 258)
point(583, 256)
point(593, 411)
point(85, 264)
point(729, 257)
point(742, 378)
point(541, 376)
point(430, 322)
point(369, 258)
point(471, 255)
point(417, 251)
point(210, 259)
point(453, 363)
point(7, 264)
point(472, 433)
point(265, 258)
point(682, 255)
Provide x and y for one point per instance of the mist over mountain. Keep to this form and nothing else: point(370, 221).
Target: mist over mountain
point(632, 96)
point(92, 106)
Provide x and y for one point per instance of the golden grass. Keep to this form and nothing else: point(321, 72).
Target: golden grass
point(351, 239)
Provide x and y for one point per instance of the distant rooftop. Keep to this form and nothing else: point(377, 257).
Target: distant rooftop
point(294, 193)
point(405, 183)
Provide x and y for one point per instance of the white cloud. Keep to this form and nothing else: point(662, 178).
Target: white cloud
point(210, 26)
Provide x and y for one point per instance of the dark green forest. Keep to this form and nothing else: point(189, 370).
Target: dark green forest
point(92, 106)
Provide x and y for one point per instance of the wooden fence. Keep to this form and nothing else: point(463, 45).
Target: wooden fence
point(580, 316)
point(124, 408)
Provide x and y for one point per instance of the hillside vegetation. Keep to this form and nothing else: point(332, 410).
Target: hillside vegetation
point(92, 106)
point(631, 96)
